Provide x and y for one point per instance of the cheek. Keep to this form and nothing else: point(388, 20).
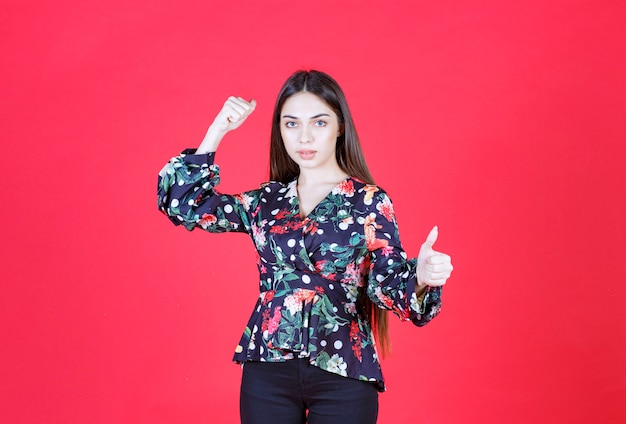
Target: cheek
point(327, 134)
point(288, 142)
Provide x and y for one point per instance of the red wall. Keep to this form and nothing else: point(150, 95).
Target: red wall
point(501, 122)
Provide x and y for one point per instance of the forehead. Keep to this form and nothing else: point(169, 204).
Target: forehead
point(305, 104)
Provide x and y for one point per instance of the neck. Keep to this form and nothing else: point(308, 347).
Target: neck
point(321, 176)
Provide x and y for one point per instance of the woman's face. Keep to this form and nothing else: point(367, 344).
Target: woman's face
point(309, 128)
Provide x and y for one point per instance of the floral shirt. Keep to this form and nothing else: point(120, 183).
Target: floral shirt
point(313, 271)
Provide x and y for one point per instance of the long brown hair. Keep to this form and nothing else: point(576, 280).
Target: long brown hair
point(348, 153)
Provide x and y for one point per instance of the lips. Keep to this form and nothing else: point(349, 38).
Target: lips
point(306, 154)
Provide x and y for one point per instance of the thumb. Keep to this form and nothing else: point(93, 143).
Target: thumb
point(253, 103)
point(432, 237)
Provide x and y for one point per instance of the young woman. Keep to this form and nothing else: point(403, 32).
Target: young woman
point(330, 260)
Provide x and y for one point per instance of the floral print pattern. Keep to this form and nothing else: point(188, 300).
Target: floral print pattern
point(314, 272)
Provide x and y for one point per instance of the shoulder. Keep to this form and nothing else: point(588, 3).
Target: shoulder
point(375, 201)
point(266, 193)
point(270, 188)
point(370, 193)
point(274, 187)
point(276, 190)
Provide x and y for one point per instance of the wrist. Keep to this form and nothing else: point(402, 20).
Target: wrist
point(420, 288)
point(211, 140)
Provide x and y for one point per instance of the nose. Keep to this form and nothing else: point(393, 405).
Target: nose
point(306, 135)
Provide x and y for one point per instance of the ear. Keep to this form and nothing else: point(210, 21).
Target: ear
point(340, 131)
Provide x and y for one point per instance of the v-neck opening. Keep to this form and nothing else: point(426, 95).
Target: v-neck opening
point(294, 187)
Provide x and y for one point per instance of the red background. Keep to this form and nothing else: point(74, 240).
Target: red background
point(501, 122)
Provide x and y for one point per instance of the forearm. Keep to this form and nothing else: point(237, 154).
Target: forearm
point(211, 140)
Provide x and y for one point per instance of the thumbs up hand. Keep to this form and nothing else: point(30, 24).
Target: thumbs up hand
point(433, 268)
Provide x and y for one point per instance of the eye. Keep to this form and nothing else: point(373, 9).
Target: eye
point(320, 123)
point(290, 124)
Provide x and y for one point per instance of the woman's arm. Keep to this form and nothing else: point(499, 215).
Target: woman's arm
point(411, 288)
point(186, 185)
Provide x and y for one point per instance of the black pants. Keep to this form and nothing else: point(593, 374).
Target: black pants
point(283, 392)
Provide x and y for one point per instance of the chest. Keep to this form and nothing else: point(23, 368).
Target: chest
point(329, 236)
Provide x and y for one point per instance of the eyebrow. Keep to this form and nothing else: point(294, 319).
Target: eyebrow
point(319, 115)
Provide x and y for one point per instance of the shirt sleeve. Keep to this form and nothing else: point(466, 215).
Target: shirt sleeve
point(392, 276)
point(187, 195)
